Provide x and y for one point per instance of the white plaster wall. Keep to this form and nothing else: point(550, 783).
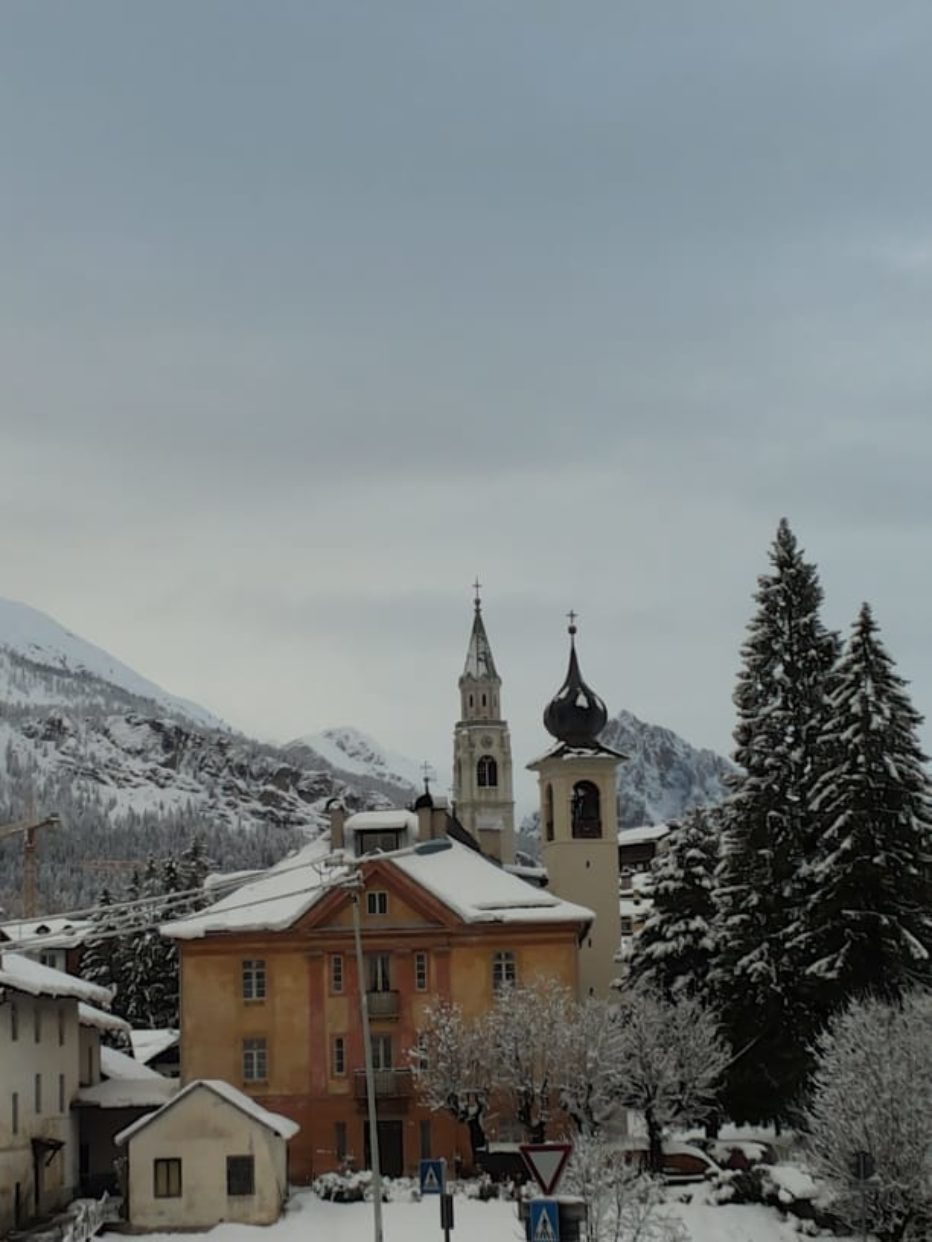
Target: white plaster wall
point(202, 1130)
point(20, 1060)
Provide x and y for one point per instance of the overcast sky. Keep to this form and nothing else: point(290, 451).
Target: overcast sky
point(311, 312)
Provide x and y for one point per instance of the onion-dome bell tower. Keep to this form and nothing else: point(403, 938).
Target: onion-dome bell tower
point(482, 776)
point(579, 822)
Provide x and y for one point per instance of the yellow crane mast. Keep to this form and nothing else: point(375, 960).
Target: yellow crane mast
point(29, 827)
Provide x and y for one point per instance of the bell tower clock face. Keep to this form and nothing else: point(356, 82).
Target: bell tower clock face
point(487, 739)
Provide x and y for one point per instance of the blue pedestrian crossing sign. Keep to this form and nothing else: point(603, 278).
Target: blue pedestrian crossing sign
point(433, 1177)
point(544, 1219)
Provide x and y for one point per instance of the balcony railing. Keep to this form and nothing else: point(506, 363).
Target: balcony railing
point(382, 1005)
point(397, 1083)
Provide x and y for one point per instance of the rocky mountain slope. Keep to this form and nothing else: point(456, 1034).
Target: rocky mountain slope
point(663, 775)
point(135, 772)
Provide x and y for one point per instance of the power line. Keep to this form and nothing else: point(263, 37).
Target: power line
point(128, 925)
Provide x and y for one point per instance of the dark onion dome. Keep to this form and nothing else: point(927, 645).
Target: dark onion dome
point(575, 715)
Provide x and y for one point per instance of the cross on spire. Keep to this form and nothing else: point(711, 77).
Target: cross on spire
point(572, 619)
point(476, 587)
point(428, 770)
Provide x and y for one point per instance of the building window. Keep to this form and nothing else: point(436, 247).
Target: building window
point(38, 1093)
point(14, 1022)
point(504, 970)
point(378, 967)
point(627, 926)
point(61, 1027)
point(487, 772)
point(381, 1052)
point(420, 972)
point(166, 1178)
point(61, 1093)
point(585, 810)
point(338, 1056)
point(241, 1175)
point(339, 1140)
point(255, 1060)
point(420, 1058)
point(425, 1140)
point(336, 973)
point(377, 903)
point(253, 979)
point(548, 813)
point(380, 842)
point(37, 1022)
point(14, 1117)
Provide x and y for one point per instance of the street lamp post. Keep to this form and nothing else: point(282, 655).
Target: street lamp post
point(355, 885)
point(374, 1154)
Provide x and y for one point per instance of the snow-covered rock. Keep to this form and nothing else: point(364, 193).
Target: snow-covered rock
point(663, 775)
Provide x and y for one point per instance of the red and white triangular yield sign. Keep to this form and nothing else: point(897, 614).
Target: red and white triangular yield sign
point(546, 1162)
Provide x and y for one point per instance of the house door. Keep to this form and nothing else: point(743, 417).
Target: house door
point(391, 1148)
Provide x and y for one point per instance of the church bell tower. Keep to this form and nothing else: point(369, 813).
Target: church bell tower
point(578, 820)
point(482, 776)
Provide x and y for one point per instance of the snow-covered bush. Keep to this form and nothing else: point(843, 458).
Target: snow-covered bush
point(624, 1204)
point(873, 1094)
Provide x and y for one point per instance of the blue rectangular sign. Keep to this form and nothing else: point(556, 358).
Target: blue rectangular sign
point(544, 1220)
point(433, 1177)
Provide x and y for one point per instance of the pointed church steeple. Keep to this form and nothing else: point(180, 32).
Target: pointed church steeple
point(482, 778)
point(479, 662)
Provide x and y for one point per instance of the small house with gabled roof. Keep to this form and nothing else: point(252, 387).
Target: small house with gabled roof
point(208, 1155)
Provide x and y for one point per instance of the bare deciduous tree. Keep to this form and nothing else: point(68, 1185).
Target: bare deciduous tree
point(873, 1094)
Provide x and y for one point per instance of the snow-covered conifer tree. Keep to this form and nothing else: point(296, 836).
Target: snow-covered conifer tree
point(768, 835)
point(673, 951)
point(868, 926)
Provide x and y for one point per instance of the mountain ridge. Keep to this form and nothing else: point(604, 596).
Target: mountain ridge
point(135, 771)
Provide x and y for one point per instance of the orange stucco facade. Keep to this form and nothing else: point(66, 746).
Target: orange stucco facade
point(311, 1001)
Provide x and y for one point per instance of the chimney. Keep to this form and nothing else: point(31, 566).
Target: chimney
point(424, 814)
point(337, 820)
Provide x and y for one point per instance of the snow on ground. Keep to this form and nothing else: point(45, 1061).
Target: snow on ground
point(309, 1218)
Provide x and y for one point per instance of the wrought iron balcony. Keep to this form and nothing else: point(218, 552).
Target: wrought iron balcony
point(382, 1005)
point(389, 1083)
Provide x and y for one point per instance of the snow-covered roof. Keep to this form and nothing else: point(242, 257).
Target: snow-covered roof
point(646, 832)
point(89, 1016)
point(116, 1064)
point(25, 975)
point(282, 1126)
point(471, 886)
point(563, 750)
point(55, 933)
point(147, 1045)
point(481, 892)
point(375, 821)
point(127, 1084)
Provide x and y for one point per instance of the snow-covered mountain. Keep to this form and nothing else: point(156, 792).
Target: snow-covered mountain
point(135, 771)
point(663, 775)
point(350, 750)
point(42, 664)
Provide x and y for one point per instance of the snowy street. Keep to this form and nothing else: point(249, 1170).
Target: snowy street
point(309, 1219)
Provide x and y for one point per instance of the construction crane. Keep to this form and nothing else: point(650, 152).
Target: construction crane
point(29, 827)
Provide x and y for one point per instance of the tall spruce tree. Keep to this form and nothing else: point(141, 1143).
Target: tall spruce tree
point(673, 952)
point(767, 1010)
point(868, 926)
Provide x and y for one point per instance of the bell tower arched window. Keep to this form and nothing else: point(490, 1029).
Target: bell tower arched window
point(487, 772)
point(548, 813)
point(585, 810)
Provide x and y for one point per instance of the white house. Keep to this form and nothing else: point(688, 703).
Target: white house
point(40, 1069)
point(211, 1154)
